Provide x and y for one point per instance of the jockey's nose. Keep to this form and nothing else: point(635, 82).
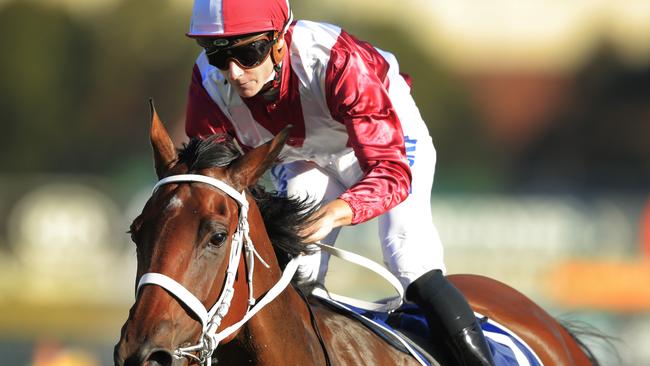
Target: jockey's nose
point(234, 71)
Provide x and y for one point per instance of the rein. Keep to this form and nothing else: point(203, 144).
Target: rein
point(211, 319)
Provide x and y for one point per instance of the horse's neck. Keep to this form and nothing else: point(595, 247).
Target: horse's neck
point(282, 332)
point(282, 328)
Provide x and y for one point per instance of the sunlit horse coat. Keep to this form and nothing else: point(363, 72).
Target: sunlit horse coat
point(357, 135)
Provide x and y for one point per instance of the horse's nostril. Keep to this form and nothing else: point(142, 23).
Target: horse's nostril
point(159, 357)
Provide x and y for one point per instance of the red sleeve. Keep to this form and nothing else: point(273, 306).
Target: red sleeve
point(356, 89)
point(203, 116)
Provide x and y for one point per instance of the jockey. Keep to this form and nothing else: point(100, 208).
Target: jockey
point(358, 145)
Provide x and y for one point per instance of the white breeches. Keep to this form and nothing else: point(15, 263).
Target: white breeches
point(410, 242)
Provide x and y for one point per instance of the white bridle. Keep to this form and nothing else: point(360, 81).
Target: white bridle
point(211, 319)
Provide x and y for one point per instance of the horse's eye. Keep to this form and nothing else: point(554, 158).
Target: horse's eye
point(218, 239)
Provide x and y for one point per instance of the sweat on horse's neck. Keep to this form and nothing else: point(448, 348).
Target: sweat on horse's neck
point(260, 341)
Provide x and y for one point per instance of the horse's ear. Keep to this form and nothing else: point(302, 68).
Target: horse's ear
point(247, 169)
point(164, 152)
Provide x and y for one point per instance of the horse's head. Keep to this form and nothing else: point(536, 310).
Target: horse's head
point(188, 236)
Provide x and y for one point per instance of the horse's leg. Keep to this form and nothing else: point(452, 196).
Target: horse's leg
point(548, 338)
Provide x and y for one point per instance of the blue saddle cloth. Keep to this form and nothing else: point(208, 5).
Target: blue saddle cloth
point(506, 347)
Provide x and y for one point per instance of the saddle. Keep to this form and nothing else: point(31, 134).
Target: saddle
point(406, 329)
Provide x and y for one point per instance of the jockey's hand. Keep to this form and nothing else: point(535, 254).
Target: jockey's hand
point(334, 214)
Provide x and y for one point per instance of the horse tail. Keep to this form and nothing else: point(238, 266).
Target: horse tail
point(580, 330)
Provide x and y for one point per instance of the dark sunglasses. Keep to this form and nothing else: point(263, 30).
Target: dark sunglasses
point(247, 55)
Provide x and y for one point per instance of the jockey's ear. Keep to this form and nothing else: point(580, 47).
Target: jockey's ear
point(247, 169)
point(164, 152)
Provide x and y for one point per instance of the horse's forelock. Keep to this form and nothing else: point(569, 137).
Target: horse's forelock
point(215, 151)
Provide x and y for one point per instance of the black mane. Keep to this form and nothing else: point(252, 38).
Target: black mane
point(283, 216)
point(214, 151)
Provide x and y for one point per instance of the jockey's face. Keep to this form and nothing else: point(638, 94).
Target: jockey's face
point(245, 61)
point(248, 82)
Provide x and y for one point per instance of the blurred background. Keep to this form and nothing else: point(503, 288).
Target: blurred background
point(540, 112)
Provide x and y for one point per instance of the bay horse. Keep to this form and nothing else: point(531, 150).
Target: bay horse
point(204, 213)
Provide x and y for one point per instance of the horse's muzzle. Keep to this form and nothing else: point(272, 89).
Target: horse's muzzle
point(146, 355)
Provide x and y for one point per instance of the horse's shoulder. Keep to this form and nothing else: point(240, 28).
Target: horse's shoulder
point(353, 342)
point(333, 319)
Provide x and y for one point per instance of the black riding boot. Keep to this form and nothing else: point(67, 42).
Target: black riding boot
point(450, 319)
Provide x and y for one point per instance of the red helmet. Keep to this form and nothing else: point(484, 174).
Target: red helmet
point(225, 18)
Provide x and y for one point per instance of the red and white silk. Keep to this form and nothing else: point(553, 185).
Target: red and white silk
point(354, 119)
